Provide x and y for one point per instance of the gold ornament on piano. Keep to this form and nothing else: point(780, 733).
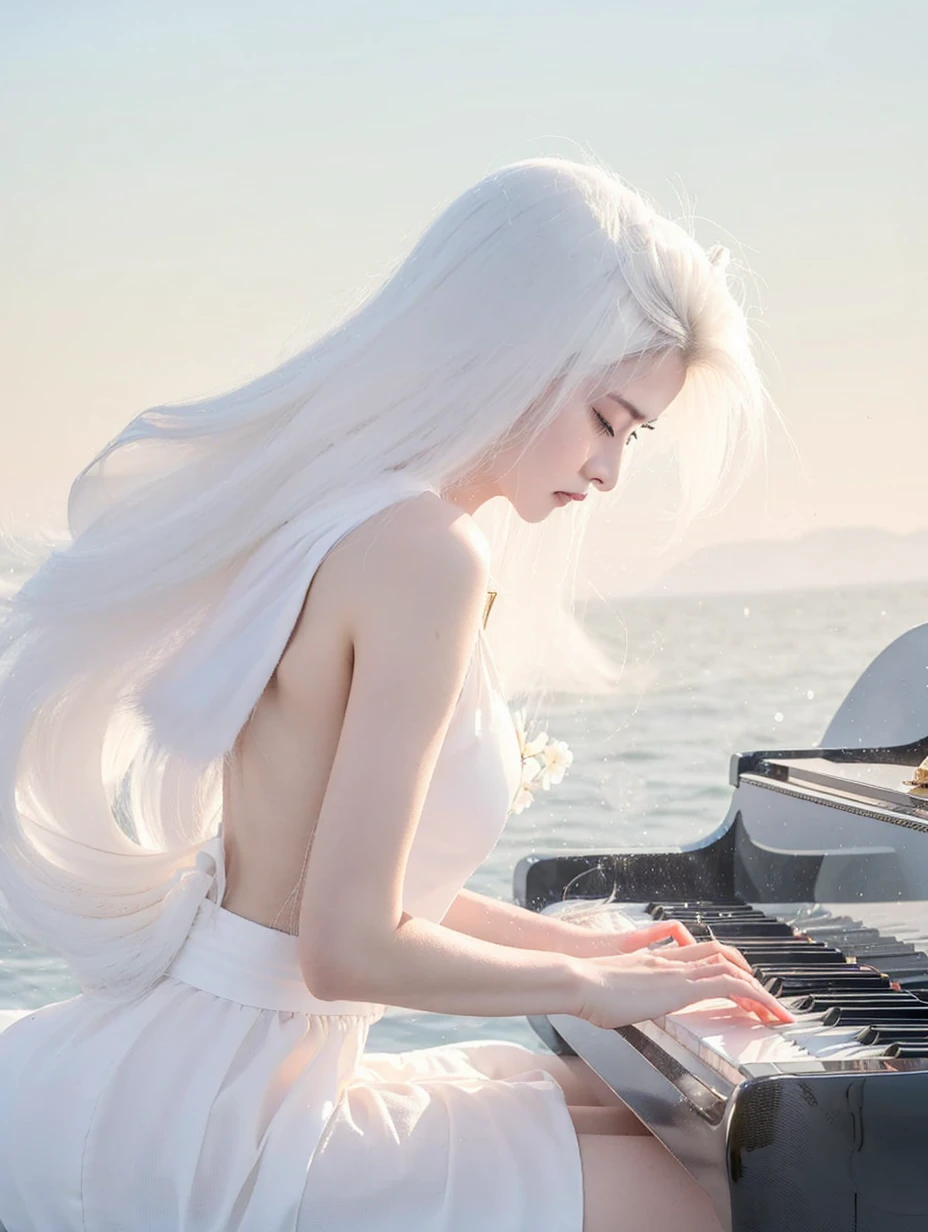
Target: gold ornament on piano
point(919, 783)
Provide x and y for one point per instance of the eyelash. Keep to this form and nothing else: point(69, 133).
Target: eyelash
point(606, 427)
point(603, 426)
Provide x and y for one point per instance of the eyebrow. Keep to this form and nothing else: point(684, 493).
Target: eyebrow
point(629, 406)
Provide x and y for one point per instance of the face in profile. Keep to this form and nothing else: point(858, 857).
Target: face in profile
point(581, 449)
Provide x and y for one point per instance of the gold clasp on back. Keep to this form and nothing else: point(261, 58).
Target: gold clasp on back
point(491, 597)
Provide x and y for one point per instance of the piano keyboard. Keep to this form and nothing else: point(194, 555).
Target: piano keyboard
point(856, 982)
point(817, 874)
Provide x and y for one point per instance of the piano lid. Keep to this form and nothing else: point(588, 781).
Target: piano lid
point(880, 783)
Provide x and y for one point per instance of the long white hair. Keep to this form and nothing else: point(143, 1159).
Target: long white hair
point(132, 655)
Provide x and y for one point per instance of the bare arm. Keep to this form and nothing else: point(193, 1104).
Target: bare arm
point(414, 617)
point(491, 919)
point(509, 924)
point(430, 967)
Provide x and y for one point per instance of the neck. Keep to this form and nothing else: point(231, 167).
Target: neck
point(470, 494)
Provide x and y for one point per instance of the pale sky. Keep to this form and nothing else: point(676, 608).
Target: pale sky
point(189, 189)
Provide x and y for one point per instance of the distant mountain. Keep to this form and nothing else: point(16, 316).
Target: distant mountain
point(847, 557)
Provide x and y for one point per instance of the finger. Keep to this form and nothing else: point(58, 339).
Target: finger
point(733, 988)
point(733, 955)
point(709, 966)
point(718, 964)
point(668, 931)
point(736, 957)
point(699, 949)
point(696, 951)
point(766, 1016)
point(680, 933)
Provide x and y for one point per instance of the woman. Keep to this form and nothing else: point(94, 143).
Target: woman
point(252, 744)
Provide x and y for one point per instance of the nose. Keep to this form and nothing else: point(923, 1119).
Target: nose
point(603, 469)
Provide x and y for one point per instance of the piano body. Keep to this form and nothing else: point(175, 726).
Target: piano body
point(819, 873)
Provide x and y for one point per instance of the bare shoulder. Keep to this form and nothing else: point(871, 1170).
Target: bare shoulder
point(411, 582)
point(422, 554)
point(413, 572)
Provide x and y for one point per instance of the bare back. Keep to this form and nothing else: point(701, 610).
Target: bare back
point(276, 778)
point(275, 781)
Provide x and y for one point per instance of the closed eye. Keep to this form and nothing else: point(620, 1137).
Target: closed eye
point(633, 436)
point(605, 426)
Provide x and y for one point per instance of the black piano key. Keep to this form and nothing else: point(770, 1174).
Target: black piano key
point(879, 949)
point(824, 971)
point(848, 1016)
point(783, 953)
point(788, 948)
point(731, 932)
point(886, 1035)
point(910, 959)
point(735, 901)
point(817, 1003)
point(726, 913)
point(906, 964)
point(786, 945)
point(865, 936)
point(892, 960)
point(858, 936)
point(715, 913)
point(912, 982)
point(696, 905)
point(713, 909)
point(831, 924)
point(908, 1051)
point(796, 985)
point(897, 975)
point(711, 917)
point(793, 958)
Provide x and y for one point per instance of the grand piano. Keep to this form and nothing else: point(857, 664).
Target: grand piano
point(819, 874)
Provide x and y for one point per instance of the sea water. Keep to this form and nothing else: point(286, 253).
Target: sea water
point(705, 677)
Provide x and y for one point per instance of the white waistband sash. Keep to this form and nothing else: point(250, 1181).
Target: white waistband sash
point(235, 958)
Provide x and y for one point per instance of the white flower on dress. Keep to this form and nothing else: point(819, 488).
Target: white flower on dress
point(557, 758)
point(543, 763)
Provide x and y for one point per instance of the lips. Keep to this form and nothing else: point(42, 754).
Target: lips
point(572, 495)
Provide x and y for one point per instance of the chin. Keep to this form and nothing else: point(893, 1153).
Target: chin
point(533, 507)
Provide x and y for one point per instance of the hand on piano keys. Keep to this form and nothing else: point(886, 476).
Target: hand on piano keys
point(853, 991)
point(622, 989)
point(596, 942)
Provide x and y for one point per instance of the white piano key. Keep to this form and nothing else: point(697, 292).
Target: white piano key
point(723, 1036)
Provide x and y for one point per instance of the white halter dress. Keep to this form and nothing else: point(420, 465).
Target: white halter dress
point(229, 1099)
